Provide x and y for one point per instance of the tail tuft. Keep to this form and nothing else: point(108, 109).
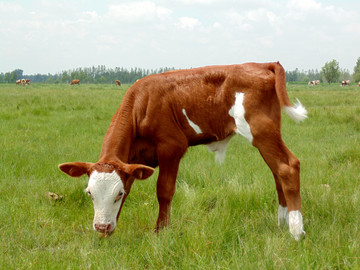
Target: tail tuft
point(298, 112)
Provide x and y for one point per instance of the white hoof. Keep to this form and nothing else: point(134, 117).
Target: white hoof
point(296, 226)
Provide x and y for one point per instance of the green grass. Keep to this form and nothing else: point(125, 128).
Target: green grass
point(223, 217)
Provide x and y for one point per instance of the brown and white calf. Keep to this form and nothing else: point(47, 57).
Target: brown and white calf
point(117, 82)
point(162, 115)
point(75, 82)
point(312, 83)
point(345, 83)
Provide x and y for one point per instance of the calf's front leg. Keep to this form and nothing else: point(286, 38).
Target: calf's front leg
point(166, 185)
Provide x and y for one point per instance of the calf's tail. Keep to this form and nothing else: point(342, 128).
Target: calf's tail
point(297, 111)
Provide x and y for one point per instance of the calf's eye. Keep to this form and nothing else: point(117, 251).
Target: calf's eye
point(89, 193)
point(119, 196)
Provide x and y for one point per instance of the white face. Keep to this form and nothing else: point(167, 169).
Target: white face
point(107, 192)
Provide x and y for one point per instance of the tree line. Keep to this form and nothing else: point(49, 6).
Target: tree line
point(313, 75)
point(330, 72)
point(97, 75)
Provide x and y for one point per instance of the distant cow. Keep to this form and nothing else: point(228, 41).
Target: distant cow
point(312, 83)
point(23, 82)
point(359, 84)
point(117, 82)
point(75, 82)
point(344, 83)
point(163, 114)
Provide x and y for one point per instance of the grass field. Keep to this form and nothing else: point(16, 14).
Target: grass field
point(223, 217)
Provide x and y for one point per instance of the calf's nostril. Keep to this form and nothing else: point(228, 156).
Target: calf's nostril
point(103, 227)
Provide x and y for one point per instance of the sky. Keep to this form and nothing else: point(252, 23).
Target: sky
point(46, 36)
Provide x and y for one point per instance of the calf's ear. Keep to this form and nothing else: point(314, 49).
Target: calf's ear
point(138, 171)
point(75, 169)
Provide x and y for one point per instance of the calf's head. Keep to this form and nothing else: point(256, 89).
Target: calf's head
point(108, 186)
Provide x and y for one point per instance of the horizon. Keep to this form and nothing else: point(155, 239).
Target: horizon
point(159, 68)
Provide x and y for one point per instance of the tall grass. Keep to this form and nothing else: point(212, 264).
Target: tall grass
point(223, 217)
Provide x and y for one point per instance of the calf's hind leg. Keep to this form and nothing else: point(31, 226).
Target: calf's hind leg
point(286, 170)
point(283, 214)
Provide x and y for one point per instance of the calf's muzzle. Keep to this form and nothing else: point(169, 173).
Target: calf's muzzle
point(106, 228)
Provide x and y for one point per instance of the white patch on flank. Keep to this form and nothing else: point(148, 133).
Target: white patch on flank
point(296, 226)
point(237, 111)
point(283, 216)
point(104, 188)
point(297, 113)
point(220, 148)
point(192, 124)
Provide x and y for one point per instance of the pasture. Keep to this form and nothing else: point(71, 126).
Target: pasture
point(223, 217)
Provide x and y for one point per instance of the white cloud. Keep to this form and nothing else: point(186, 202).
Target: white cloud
point(266, 41)
point(163, 12)
point(192, 2)
point(272, 17)
point(89, 16)
point(353, 29)
point(305, 5)
point(217, 25)
point(137, 11)
point(254, 15)
point(10, 7)
point(237, 19)
point(188, 23)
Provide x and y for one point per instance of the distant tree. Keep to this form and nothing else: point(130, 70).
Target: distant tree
point(65, 77)
point(49, 79)
point(302, 76)
point(344, 74)
point(102, 79)
point(292, 76)
point(74, 75)
point(356, 75)
point(13, 76)
point(7, 77)
point(19, 74)
point(330, 71)
point(313, 75)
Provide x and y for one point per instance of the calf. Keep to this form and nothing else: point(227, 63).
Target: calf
point(75, 82)
point(162, 115)
point(344, 83)
point(117, 82)
point(312, 83)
